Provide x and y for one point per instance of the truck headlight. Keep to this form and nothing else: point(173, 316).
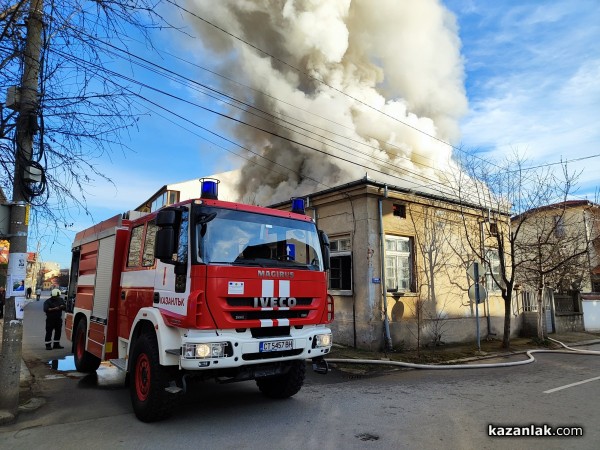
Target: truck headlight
point(322, 340)
point(203, 351)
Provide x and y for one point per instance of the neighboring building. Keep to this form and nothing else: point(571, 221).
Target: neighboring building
point(176, 192)
point(31, 278)
point(558, 251)
point(550, 236)
point(49, 274)
point(424, 259)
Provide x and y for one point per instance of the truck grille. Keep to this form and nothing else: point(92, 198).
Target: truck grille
point(242, 308)
point(258, 315)
point(248, 302)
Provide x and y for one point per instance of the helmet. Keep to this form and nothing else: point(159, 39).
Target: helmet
point(55, 293)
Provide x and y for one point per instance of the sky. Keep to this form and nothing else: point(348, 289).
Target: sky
point(395, 84)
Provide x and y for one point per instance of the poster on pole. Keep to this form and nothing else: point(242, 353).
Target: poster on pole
point(19, 296)
point(19, 308)
point(17, 272)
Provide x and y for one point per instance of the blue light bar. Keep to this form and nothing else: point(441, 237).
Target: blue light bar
point(209, 188)
point(298, 205)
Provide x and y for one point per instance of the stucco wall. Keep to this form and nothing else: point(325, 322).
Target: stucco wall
point(359, 317)
point(568, 322)
point(452, 331)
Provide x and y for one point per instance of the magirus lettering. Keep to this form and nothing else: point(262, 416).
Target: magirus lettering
point(273, 302)
point(275, 274)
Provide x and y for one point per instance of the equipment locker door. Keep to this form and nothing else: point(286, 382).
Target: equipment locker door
point(102, 289)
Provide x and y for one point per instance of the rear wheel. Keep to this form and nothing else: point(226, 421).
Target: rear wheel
point(148, 381)
point(84, 361)
point(285, 385)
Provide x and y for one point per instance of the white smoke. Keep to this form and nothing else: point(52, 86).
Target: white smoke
point(390, 77)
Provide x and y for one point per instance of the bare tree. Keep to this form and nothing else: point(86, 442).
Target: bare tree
point(499, 190)
point(83, 108)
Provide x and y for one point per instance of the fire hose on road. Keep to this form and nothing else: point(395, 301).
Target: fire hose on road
point(529, 353)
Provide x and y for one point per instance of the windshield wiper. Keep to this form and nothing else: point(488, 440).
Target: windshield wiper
point(245, 262)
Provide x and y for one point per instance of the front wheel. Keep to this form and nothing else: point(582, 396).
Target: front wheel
point(85, 362)
point(285, 385)
point(148, 380)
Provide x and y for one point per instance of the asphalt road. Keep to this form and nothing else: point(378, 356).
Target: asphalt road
point(395, 409)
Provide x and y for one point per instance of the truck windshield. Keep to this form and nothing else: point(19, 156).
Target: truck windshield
point(225, 236)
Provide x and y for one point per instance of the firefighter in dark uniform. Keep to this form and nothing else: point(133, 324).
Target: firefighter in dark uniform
point(53, 307)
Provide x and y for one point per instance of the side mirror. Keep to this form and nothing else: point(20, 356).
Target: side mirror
point(166, 218)
point(165, 245)
point(324, 240)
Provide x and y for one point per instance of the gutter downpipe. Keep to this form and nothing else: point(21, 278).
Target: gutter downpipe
point(487, 298)
point(386, 321)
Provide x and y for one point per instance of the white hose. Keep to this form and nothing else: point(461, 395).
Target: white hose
point(465, 366)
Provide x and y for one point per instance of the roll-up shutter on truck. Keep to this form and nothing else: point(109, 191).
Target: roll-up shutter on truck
point(106, 256)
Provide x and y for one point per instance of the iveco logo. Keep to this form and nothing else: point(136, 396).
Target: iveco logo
point(275, 274)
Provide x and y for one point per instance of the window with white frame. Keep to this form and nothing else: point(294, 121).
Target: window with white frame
point(399, 274)
point(492, 270)
point(340, 273)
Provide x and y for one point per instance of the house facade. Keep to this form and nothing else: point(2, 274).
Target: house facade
point(399, 263)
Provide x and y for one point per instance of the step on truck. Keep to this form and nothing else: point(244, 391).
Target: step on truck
point(203, 289)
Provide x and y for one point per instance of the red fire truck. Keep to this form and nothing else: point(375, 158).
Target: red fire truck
point(206, 289)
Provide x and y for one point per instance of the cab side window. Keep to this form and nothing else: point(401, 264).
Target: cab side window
point(135, 247)
point(148, 257)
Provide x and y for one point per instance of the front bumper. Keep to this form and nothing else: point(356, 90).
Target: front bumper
point(242, 349)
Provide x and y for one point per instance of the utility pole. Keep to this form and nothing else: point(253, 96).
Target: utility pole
point(27, 105)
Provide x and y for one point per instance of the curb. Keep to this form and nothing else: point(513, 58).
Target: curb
point(25, 375)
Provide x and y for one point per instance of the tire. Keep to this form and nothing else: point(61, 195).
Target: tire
point(148, 380)
point(285, 385)
point(85, 362)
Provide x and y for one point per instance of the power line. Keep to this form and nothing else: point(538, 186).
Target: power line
point(66, 56)
point(174, 76)
point(583, 158)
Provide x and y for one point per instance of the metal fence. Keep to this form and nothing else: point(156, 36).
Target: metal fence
point(529, 301)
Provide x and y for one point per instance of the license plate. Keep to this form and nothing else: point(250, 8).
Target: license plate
point(276, 346)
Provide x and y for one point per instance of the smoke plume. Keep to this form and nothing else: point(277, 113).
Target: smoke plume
point(378, 83)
